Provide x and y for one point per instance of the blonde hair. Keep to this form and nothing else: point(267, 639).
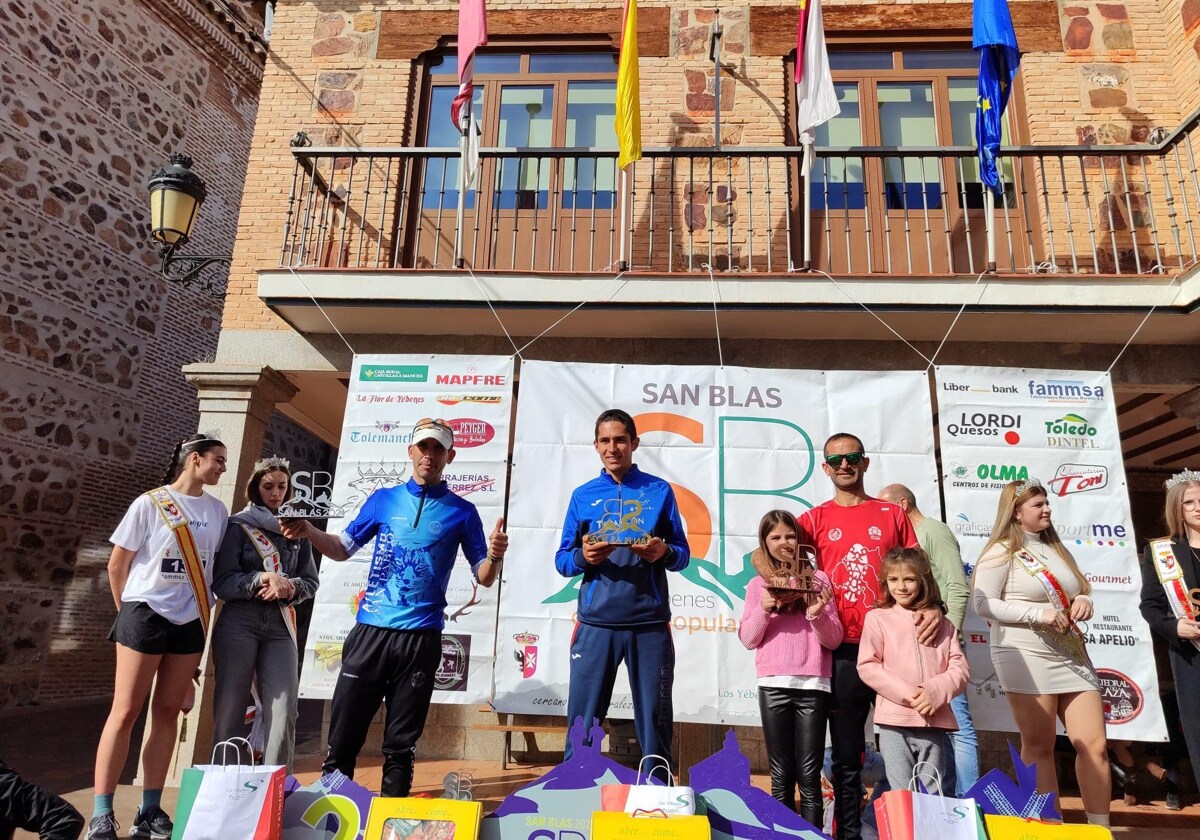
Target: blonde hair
point(1173, 509)
point(1008, 534)
point(917, 560)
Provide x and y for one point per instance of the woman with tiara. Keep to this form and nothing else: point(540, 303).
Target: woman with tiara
point(261, 576)
point(1171, 599)
point(160, 573)
point(1029, 589)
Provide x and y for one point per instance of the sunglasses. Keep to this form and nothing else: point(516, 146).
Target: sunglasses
point(428, 422)
point(851, 458)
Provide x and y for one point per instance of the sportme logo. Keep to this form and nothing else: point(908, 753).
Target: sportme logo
point(475, 399)
point(1066, 391)
point(1078, 478)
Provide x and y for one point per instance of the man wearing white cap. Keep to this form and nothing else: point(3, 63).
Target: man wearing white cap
point(395, 647)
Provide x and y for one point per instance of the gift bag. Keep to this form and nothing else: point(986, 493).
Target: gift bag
point(915, 815)
point(612, 825)
point(409, 818)
point(332, 806)
point(1016, 828)
point(645, 798)
point(221, 801)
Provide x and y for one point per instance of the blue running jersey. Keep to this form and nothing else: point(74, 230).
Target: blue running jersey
point(417, 531)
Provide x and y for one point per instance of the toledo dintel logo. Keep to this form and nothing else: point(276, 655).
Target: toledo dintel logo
point(526, 653)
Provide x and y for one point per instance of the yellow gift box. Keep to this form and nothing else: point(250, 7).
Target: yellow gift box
point(611, 825)
point(1016, 828)
point(423, 819)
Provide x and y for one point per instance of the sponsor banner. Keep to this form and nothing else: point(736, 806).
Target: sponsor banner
point(734, 443)
point(387, 396)
point(1004, 424)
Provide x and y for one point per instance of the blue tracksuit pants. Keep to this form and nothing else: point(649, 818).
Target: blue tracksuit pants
point(649, 656)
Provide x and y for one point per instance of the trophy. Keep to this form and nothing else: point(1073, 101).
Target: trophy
point(622, 523)
point(788, 580)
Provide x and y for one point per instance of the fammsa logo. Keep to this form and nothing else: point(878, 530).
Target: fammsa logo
point(1065, 391)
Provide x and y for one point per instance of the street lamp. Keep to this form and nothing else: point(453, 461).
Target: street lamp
point(176, 193)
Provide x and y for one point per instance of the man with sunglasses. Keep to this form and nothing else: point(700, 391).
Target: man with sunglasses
point(851, 533)
point(394, 649)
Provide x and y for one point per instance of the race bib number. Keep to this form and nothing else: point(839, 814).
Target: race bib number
point(172, 568)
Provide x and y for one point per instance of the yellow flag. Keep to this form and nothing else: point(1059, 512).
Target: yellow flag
point(629, 97)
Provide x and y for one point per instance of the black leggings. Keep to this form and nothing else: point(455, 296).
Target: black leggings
point(793, 722)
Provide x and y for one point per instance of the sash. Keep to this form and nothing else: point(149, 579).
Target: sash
point(1170, 575)
point(270, 558)
point(192, 564)
point(1057, 595)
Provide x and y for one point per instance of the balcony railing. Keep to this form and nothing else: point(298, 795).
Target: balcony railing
point(1117, 210)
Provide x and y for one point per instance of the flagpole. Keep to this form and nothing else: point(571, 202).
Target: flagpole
point(989, 207)
point(623, 261)
point(462, 186)
point(807, 141)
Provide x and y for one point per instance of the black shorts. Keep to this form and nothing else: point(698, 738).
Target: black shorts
point(140, 628)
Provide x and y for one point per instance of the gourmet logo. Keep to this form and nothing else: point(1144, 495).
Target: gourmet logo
point(469, 432)
point(986, 424)
point(1078, 478)
point(476, 399)
point(1072, 391)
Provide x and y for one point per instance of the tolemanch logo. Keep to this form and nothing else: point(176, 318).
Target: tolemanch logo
point(393, 373)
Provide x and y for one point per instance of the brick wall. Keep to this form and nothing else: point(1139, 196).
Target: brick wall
point(94, 96)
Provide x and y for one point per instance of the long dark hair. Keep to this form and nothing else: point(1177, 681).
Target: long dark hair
point(199, 443)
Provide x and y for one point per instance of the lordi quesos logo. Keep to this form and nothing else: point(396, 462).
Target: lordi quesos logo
point(469, 432)
point(986, 424)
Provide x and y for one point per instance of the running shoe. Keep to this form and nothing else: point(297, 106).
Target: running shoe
point(103, 827)
point(152, 825)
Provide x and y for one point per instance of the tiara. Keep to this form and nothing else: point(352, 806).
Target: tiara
point(1183, 477)
point(214, 435)
point(272, 463)
point(1027, 485)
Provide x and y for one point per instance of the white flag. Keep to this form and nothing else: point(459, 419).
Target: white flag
point(816, 100)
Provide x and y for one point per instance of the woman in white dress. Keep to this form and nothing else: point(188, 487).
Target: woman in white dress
point(1029, 589)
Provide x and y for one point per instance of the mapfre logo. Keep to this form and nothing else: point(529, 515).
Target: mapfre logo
point(469, 432)
point(471, 376)
point(1078, 478)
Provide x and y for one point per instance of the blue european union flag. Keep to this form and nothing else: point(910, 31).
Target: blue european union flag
point(999, 60)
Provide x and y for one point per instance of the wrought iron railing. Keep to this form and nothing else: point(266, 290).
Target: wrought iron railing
point(1131, 209)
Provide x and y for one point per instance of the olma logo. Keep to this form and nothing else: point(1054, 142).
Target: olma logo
point(1071, 431)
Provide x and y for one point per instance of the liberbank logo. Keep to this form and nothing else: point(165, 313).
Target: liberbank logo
point(1065, 391)
point(393, 373)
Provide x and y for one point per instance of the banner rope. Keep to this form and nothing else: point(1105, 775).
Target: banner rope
point(577, 308)
point(487, 299)
point(955, 321)
point(854, 300)
point(321, 309)
point(1138, 329)
point(716, 321)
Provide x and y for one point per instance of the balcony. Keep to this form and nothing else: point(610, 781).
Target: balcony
point(1105, 229)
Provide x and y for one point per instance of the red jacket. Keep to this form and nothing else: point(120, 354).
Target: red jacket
point(896, 665)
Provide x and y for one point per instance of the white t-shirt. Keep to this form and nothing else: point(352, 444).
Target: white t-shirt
point(157, 576)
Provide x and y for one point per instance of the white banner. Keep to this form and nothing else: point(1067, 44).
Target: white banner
point(388, 395)
point(1003, 424)
point(734, 443)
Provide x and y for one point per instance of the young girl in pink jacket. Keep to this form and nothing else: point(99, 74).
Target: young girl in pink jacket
point(914, 682)
point(791, 635)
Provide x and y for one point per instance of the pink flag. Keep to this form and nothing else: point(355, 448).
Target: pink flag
point(472, 34)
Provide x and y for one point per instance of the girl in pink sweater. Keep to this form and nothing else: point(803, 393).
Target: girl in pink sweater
point(914, 682)
point(791, 635)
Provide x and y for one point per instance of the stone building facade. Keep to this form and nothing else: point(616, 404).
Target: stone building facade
point(357, 76)
point(94, 96)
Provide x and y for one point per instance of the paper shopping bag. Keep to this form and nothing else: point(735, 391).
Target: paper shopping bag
point(406, 818)
point(908, 815)
point(611, 825)
point(1016, 828)
point(646, 798)
point(332, 806)
point(218, 802)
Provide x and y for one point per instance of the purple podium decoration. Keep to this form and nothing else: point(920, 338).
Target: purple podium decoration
point(735, 808)
point(997, 794)
point(559, 805)
point(332, 806)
